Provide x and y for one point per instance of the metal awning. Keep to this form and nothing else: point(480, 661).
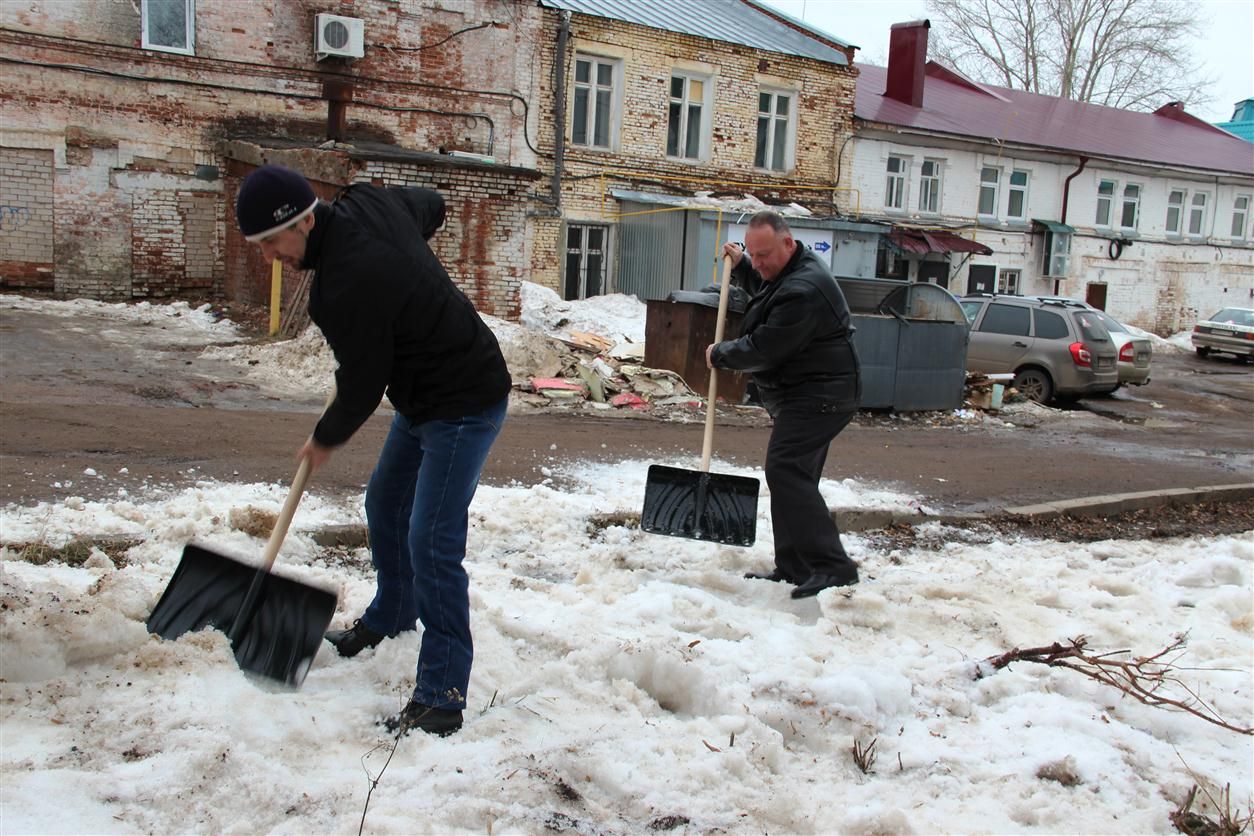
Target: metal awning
point(934, 241)
point(1054, 226)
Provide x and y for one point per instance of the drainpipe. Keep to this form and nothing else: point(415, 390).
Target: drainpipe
point(338, 95)
point(559, 110)
point(1066, 187)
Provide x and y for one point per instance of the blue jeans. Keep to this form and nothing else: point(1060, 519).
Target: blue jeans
point(416, 510)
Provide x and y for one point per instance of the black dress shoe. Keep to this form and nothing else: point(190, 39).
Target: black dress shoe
point(438, 721)
point(348, 643)
point(815, 584)
point(774, 575)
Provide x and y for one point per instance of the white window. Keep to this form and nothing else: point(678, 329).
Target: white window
point(1008, 282)
point(774, 145)
point(1175, 211)
point(930, 187)
point(1197, 214)
point(898, 177)
point(1240, 215)
point(586, 260)
point(1130, 215)
point(168, 25)
point(1057, 252)
point(1105, 199)
point(989, 178)
point(686, 122)
point(1017, 206)
point(596, 93)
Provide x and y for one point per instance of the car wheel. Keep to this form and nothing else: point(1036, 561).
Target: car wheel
point(1034, 384)
point(1202, 352)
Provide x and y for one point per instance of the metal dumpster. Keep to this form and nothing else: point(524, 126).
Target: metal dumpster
point(912, 342)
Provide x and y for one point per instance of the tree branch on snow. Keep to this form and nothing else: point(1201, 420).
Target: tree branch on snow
point(1146, 679)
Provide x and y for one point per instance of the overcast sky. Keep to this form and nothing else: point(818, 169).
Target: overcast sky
point(1226, 53)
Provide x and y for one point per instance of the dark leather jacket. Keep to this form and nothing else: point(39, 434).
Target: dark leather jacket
point(796, 339)
point(392, 316)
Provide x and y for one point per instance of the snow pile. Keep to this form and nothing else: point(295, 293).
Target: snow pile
point(176, 323)
point(624, 682)
point(617, 317)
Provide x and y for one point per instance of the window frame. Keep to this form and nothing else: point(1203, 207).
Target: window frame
point(790, 130)
point(593, 85)
point(1108, 201)
point(686, 103)
point(995, 186)
point(900, 178)
point(1180, 213)
point(1009, 281)
point(1012, 189)
point(1244, 213)
point(581, 281)
point(1135, 202)
point(189, 30)
point(931, 186)
point(1201, 215)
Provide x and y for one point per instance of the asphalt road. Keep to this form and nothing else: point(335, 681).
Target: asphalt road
point(76, 396)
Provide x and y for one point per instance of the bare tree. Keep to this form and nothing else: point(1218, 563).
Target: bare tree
point(1133, 54)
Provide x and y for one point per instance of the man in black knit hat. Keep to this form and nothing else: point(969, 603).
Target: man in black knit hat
point(397, 326)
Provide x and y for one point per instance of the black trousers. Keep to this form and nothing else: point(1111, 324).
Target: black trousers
point(807, 540)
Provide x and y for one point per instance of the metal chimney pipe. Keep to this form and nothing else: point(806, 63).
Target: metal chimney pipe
point(338, 95)
point(907, 54)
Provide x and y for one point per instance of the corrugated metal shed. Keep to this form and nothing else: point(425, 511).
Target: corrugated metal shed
point(950, 106)
point(730, 21)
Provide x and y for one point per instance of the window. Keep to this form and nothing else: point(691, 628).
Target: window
point(1175, 211)
point(1240, 214)
point(1008, 282)
point(1131, 214)
point(585, 260)
point(685, 125)
point(930, 187)
point(1006, 319)
point(1105, 199)
point(989, 178)
point(1057, 258)
point(898, 174)
point(1018, 198)
point(168, 25)
point(595, 94)
point(1051, 326)
point(774, 131)
point(1197, 213)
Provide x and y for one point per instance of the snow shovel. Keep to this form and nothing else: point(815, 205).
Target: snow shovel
point(696, 503)
point(275, 624)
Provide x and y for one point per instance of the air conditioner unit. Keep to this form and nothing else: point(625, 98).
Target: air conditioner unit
point(338, 36)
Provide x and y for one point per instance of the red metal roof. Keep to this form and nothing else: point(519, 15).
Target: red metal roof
point(955, 106)
point(934, 241)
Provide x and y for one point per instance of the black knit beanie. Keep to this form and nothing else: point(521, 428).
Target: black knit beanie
point(271, 199)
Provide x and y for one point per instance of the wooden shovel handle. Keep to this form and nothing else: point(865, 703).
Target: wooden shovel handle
point(707, 446)
point(285, 515)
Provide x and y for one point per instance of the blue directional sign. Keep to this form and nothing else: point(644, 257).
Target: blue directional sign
point(822, 246)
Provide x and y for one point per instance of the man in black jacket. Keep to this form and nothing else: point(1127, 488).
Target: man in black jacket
point(397, 326)
point(797, 342)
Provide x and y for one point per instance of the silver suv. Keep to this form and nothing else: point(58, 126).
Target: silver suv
point(1054, 348)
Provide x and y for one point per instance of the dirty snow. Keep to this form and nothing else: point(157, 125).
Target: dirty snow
point(624, 682)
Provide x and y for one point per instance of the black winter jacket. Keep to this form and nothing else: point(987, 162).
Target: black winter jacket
point(392, 316)
point(796, 339)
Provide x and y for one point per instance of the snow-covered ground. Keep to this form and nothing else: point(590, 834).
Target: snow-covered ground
point(624, 682)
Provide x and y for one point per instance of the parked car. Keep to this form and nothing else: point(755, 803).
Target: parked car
point(1231, 331)
point(1135, 353)
point(1055, 348)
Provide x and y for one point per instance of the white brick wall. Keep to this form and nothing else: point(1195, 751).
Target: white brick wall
point(1160, 282)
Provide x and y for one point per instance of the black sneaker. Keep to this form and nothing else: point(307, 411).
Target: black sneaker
point(348, 643)
point(774, 575)
point(438, 721)
point(815, 584)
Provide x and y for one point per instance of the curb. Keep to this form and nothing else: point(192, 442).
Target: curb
point(860, 519)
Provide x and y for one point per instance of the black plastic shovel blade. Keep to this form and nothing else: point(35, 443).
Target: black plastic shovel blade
point(699, 505)
point(279, 635)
